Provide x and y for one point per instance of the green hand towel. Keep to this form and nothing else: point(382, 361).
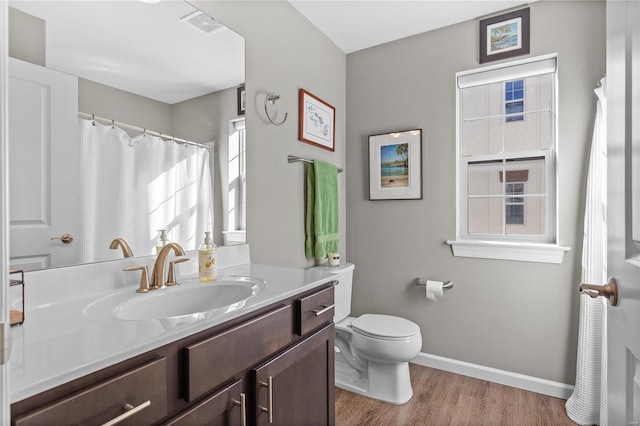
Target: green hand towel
point(321, 222)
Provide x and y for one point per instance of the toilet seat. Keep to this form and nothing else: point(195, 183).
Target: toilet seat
point(384, 327)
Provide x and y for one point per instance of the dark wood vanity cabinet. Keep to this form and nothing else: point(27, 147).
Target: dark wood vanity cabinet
point(273, 366)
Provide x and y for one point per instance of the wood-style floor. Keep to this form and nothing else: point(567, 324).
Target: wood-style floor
point(442, 398)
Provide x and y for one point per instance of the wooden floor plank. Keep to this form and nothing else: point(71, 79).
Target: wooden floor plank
point(442, 398)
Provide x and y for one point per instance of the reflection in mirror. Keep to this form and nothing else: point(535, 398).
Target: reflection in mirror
point(160, 145)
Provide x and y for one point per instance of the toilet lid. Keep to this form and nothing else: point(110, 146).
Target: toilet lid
point(382, 326)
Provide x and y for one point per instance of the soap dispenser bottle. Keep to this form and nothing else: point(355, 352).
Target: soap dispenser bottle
point(207, 270)
point(162, 240)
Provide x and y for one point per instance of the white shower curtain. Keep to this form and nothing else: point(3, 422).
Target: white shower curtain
point(588, 403)
point(133, 188)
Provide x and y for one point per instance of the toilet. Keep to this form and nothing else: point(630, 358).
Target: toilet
point(372, 351)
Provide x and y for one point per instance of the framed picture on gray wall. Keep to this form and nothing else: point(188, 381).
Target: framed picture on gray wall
point(395, 165)
point(504, 36)
point(242, 103)
point(316, 121)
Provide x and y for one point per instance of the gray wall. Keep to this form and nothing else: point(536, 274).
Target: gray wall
point(126, 107)
point(515, 316)
point(27, 37)
point(283, 53)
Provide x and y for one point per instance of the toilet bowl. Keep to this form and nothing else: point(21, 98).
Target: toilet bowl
point(372, 351)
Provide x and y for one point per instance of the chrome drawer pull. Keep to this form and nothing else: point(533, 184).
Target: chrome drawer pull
point(322, 311)
point(243, 408)
point(130, 411)
point(269, 409)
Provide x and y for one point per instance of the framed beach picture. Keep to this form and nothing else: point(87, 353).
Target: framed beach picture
point(504, 36)
point(395, 165)
point(316, 121)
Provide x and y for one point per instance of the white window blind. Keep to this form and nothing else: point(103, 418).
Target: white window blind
point(509, 72)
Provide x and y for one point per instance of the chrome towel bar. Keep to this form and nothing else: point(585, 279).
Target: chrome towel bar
point(296, 159)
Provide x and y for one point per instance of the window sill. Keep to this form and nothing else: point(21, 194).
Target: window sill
point(524, 252)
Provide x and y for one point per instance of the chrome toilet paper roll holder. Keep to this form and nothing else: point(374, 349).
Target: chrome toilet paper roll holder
point(446, 285)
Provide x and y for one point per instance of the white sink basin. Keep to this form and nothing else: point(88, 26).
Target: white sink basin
point(191, 297)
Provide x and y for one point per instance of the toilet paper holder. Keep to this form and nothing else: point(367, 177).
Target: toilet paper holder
point(445, 285)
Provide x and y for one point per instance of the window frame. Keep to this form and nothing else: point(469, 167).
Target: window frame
point(543, 248)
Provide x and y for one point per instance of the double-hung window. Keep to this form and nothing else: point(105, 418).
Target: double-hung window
point(236, 210)
point(507, 162)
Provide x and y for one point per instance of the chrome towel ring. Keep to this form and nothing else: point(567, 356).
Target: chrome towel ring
point(271, 99)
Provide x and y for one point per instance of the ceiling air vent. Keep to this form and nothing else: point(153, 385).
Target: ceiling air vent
point(202, 22)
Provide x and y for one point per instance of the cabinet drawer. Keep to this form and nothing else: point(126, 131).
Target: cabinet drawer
point(314, 310)
point(227, 406)
point(213, 361)
point(144, 389)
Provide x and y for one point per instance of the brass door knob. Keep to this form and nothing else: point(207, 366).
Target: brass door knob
point(65, 238)
point(609, 290)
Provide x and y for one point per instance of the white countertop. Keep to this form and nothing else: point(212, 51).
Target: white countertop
point(58, 343)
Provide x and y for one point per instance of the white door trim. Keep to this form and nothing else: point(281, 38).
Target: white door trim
point(4, 196)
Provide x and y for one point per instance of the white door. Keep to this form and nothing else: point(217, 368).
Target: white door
point(43, 166)
point(623, 128)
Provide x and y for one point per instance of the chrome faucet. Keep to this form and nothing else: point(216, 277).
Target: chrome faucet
point(123, 244)
point(157, 276)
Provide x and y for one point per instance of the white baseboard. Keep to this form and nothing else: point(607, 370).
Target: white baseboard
point(507, 378)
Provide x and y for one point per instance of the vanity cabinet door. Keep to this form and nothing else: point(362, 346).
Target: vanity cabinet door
point(296, 387)
point(227, 407)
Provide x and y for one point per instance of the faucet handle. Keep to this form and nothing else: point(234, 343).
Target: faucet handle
point(171, 279)
point(144, 279)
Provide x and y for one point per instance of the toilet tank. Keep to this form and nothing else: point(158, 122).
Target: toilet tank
point(342, 291)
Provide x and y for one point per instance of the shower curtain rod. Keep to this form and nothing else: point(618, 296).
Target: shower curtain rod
point(141, 129)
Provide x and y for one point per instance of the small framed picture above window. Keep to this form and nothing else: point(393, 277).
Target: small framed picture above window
point(504, 36)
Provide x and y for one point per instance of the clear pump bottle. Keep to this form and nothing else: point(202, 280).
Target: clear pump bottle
point(162, 240)
point(207, 270)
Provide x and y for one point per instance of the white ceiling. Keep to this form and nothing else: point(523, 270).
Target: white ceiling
point(359, 24)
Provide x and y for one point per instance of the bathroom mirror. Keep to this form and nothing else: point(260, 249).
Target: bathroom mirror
point(164, 68)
